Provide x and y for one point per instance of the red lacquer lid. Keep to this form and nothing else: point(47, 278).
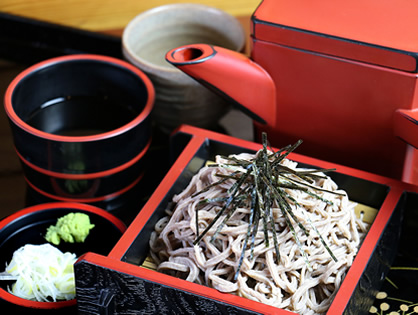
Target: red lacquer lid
point(379, 32)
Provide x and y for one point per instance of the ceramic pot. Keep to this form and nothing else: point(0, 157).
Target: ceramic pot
point(179, 98)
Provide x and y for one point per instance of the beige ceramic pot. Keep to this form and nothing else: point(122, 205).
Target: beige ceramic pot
point(151, 34)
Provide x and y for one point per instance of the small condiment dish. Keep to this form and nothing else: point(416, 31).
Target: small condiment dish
point(29, 226)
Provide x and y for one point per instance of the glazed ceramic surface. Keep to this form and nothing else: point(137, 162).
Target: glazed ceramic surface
point(147, 38)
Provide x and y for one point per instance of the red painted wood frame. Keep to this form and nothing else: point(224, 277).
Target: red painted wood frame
point(114, 261)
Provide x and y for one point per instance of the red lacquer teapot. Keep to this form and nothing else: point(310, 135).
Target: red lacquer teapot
point(341, 75)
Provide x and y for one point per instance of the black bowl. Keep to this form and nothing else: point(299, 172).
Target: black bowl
point(29, 225)
point(80, 114)
point(86, 188)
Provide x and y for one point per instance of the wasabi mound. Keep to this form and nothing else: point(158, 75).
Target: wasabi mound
point(71, 228)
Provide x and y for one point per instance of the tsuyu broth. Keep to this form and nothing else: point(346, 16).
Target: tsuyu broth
point(80, 115)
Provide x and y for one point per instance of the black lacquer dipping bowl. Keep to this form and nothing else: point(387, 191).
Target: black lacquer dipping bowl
point(81, 126)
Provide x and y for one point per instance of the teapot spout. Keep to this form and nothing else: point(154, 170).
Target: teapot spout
point(232, 75)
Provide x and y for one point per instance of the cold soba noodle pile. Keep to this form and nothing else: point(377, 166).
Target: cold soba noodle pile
point(267, 230)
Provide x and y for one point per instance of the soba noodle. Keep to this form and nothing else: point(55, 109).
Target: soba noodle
point(288, 285)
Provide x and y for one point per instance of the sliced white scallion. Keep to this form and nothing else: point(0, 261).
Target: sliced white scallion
point(43, 272)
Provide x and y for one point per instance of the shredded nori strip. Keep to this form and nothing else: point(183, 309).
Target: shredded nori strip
point(263, 181)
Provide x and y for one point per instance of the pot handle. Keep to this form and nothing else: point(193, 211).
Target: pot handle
point(406, 125)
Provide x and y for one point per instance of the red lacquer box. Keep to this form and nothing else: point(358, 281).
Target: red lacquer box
point(345, 75)
point(342, 75)
point(118, 284)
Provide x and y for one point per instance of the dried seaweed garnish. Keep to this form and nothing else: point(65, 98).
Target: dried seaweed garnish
point(263, 180)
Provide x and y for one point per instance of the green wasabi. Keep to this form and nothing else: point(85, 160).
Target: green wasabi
point(71, 228)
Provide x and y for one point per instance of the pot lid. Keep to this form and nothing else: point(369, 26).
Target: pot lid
point(380, 32)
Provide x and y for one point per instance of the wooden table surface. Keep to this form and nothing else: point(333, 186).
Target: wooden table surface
point(95, 15)
point(99, 15)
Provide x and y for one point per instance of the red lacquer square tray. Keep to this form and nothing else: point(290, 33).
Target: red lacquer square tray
point(118, 284)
